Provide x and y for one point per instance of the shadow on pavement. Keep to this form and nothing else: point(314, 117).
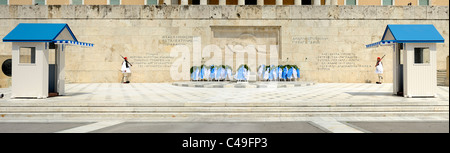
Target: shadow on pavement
point(77, 93)
point(370, 93)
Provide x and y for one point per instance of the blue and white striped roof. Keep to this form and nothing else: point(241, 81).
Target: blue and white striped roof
point(59, 33)
point(380, 43)
point(409, 33)
point(69, 42)
point(38, 32)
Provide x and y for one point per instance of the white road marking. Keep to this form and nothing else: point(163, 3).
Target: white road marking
point(336, 127)
point(91, 127)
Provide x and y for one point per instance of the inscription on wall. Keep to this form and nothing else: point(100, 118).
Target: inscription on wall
point(308, 39)
point(332, 61)
point(158, 61)
point(176, 40)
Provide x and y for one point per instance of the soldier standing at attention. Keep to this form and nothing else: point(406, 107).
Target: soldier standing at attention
point(126, 70)
point(379, 70)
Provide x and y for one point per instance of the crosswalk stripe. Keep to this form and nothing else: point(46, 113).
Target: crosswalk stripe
point(336, 127)
point(91, 127)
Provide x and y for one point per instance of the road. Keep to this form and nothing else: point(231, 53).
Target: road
point(223, 127)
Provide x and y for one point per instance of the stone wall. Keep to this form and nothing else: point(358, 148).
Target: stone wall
point(326, 42)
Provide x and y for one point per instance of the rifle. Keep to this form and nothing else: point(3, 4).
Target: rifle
point(126, 60)
point(382, 57)
point(380, 60)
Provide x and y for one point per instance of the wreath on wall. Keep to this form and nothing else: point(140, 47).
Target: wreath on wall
point(245, 66)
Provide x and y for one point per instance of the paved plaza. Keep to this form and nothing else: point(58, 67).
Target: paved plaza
point(165, 107)
point(164, 93)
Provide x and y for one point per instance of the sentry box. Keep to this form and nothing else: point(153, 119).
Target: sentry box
point(414, 52)
point(36, 74)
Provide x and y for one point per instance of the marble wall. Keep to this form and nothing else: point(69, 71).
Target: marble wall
point(326, 42)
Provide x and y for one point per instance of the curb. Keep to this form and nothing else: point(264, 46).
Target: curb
point(201, 84)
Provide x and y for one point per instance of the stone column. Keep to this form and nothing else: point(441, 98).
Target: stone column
point(446, 78)
point(279, 2)
point(241, 2)
point(184, 2)
point(327, 2)
point(203, 2)
point(222, 2)
point(334, 2)
point(316, 2)
point(60, 62)
point(298, 2)
point(260, 2)
point(168, 2)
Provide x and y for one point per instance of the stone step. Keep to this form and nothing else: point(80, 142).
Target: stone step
point(220, 109)
point(365, 103)
point(441, 74)
point(276, 116)
point(227, 84)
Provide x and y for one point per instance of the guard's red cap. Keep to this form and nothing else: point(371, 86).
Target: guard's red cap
point(126, 57)
point(377, 58)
